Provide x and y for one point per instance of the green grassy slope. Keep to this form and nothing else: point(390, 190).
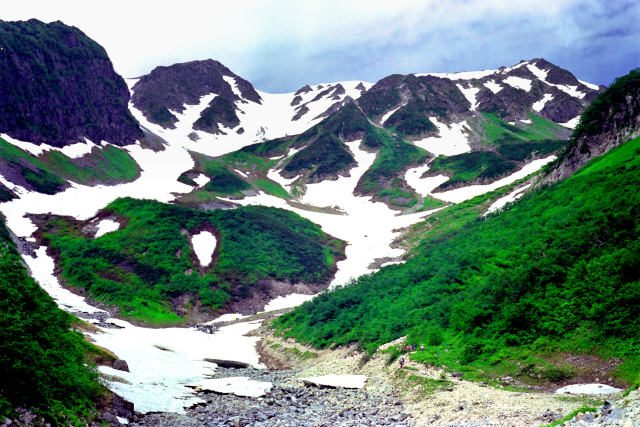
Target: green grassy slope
point(148, 264)
point(558, 271)
point(41, 359)
point(47, 173)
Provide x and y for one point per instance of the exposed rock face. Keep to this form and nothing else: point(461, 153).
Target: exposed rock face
point(168, 89)
point(612, 119)
point(59, 87)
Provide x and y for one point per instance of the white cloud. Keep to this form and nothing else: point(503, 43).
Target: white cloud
point(257, 38)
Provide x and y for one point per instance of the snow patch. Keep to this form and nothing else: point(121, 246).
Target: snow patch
point(493, 86)
point(527, 121)
point(539, 105)
point(590, 85)
point(542, 75)
point(469, 93)
point(288, 301)
point(465, 193)
point(233, 84)
point(106, 226)
point(204, 244)
point(201, 179)
point(571, 124)
point(518, 83)
point(588, 389)
point(451, 140)
point(511, 197)
point(423, 186)
point(389, 114)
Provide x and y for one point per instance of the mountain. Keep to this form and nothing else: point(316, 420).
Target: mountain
point(59, 87)
point(554, 274)
point(610, 120)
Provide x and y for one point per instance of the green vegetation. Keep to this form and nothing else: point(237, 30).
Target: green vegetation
point(42, 362)
point(570, 416)
point(427, 386)
point(398, 197)
point(467, 167)
point(498, 131)
point(272, 188)
point(521, 151)
point(410, 120)
point(108, 165)
point(326, 155)
point(557, 272)
point(220, 110)
point(34, 172)
point(145, 267)
point(430, 203)
point(395, 156)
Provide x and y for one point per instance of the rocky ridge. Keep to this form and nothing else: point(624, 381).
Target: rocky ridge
point(59, 87)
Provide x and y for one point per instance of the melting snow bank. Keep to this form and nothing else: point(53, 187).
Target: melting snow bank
point(240, 386)
point(165, 364)
point(511, 197)
point(106, 226)
point(288, 301)
point(334, 381)
point(587, 389)
point(204, 244)
point(465, 193)
point(423, 186)
point(451, 140)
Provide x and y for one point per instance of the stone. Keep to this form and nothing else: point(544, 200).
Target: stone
point(120, 365)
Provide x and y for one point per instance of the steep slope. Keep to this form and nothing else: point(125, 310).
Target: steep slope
point(612, 118)
point(556, 272)
point(42, 362)
point(59, 87)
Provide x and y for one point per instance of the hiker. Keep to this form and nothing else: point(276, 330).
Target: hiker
point(401, 361)
point(421, 347)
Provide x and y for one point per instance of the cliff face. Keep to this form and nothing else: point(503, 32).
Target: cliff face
point(168, 89)
point(58, 86)
point(612, 119)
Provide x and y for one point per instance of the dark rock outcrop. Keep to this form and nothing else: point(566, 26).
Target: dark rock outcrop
point(168, 89)
point(612, 119)
point(59, 87)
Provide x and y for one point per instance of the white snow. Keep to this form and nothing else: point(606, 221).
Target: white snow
point(451, 140)
point(465, 193)
point(423, 186)
point(469, 93)
point(463, 75)
point(163, 362)
point(366, 243)
point(511, 197)
point(587, 389)
point(542, 75)
point(493, 86)
point(518, 83)
point(74, 151)
point(527, 121)
point(239, 172)
point(337, 380)
point(42, 268)
point(233, 84)
point(201, 179)
point(388, 114)
point(539, 105)
point(572, 123)
point(106, 226)
point(589, 85)
point(122, 420)
point(204, 244)
point(288, 301)
point(240, 386)
point(79, 149)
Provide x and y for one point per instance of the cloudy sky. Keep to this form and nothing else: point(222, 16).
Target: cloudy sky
point(280, 45)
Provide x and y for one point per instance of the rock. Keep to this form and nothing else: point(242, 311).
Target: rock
point(228, 363)
point(456, 374)
point(120, 365)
